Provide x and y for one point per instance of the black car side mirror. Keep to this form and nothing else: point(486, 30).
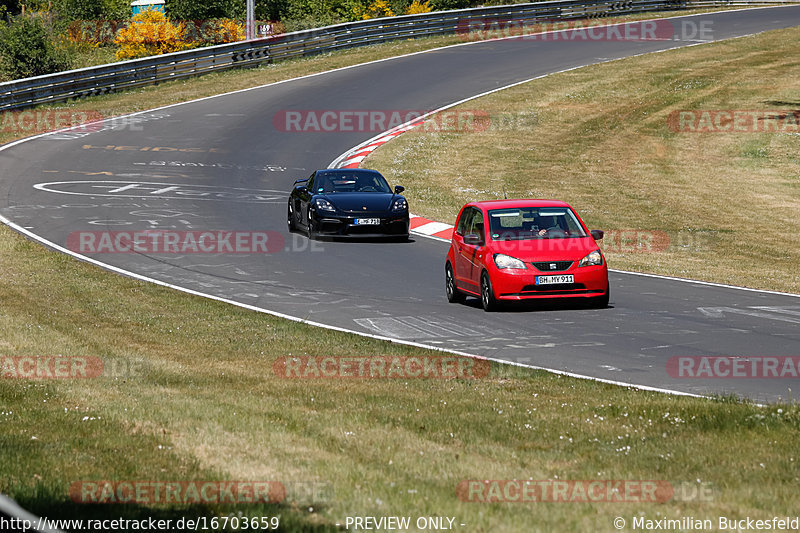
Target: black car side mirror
point(473, 239)
point(597, 234)
point(301, 189)
point(398, 189)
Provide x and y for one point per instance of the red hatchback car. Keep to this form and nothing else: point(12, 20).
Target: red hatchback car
point(507, 250)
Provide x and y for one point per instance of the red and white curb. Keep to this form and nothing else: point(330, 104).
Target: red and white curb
point(353, 157)
point(430, 228)
point(356, 155)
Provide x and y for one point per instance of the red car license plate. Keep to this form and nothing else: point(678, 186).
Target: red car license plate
point(555, 280)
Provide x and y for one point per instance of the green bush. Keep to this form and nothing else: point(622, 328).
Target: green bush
point(9, 7)
point(79, 9)
point(306, 14)
point(439, 5)
point(271, 9)
point(27, 48)
point(69, 10)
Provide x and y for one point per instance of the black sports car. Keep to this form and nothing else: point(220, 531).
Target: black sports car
point(348, 202)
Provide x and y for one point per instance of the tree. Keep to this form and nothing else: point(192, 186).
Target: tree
point(27, 49)
point(209, 9)
point(438, 5)
point(70, 10)
point(271, 9)
point(9, 7)
point(79, 9)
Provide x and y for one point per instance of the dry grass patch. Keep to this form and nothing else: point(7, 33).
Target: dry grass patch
point(598, 138)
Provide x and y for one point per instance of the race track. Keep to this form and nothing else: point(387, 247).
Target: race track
point(220, 164)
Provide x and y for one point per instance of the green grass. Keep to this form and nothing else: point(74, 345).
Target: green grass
point(203, 403)
point(598, 138)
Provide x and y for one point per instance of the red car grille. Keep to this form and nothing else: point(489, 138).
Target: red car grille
point(547, 266)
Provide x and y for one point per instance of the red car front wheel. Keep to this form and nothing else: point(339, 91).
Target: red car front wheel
point(488, 301)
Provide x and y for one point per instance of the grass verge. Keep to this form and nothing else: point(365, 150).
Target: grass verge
point(205, 404)
point(717, 206)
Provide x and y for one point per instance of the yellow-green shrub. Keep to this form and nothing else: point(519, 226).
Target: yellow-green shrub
point(222, 31)
point(416, 7)
point(379, 8)
point(150, 33)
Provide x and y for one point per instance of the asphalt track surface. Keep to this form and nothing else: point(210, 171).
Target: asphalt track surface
point(222, 165)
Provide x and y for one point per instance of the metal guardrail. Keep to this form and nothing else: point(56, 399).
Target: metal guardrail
point(153, 70)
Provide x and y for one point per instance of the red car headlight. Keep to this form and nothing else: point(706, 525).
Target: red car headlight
point(594, 258)
point(503, 261)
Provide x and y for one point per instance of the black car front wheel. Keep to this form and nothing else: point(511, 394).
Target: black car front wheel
point(290, 218)
point(311, 229)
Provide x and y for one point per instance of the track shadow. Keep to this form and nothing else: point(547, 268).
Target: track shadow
point(540, 306)
point(782, 103)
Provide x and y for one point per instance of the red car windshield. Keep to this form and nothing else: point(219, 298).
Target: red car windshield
point(534, 223)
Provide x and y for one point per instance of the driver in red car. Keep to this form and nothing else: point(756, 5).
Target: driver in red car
point(546, 224)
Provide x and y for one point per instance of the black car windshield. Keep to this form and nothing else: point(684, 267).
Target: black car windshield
point(340, 182)
point(534, 223)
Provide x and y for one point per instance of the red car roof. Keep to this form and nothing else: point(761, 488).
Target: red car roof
point(500, 204)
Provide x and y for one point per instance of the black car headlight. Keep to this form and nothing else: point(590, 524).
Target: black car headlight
point(594, 258)
point(400, 205)
point(321, 204)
